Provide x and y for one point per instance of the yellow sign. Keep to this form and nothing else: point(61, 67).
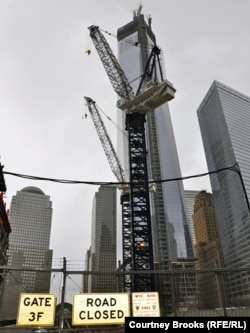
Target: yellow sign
point(100, 309)
point(145, 304)
point(36, 310)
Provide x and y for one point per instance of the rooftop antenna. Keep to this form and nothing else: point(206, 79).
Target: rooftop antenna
point(138, 12)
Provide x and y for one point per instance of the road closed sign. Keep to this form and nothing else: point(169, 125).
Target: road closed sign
point(36, 310)
point(100, 309)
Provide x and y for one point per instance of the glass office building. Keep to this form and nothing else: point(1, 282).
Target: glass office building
point(102, 254)
point(30, 217)
point(169, 215)
point(224, 120)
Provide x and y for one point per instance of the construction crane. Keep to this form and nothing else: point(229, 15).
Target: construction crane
point(106, 142)
point(153, 91)
point(118, 171)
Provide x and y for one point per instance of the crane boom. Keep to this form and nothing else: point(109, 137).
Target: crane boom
point(105, 141)
point(113, 69)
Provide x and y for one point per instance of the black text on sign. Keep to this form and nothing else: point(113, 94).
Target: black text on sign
point(100, 309)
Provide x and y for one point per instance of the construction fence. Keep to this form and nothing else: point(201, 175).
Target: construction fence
point(176, 287)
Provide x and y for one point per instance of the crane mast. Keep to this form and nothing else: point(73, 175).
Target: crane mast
point(152, 92)
point(118, 171)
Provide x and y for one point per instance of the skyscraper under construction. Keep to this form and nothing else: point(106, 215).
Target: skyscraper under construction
point(135, 41)
point(169, 215)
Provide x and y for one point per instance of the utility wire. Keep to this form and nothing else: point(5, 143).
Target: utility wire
point(64, 181)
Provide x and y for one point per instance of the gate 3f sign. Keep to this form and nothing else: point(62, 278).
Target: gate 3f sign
point(36, 310)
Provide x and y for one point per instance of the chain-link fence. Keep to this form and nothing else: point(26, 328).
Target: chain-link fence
point(183, 286)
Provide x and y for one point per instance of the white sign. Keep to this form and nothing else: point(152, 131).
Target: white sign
point(100, 309)
point(145, 304)
point(36, 310)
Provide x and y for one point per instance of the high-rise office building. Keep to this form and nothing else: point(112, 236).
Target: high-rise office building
point(101, 257)
point(169, 215)
point(224, 119)
point(30, 216)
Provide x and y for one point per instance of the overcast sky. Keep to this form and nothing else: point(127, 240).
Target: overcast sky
point(45, 73)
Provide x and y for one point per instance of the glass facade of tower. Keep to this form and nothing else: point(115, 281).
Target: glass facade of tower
point(190, 200)
point(30, 217)
point(169, 216)
point(224, 119)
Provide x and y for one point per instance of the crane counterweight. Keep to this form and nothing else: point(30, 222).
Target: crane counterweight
point(152, 96)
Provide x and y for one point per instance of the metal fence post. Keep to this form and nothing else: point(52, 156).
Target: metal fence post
point(63, 296)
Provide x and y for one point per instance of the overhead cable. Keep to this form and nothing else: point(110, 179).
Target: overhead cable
point(155, 181)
